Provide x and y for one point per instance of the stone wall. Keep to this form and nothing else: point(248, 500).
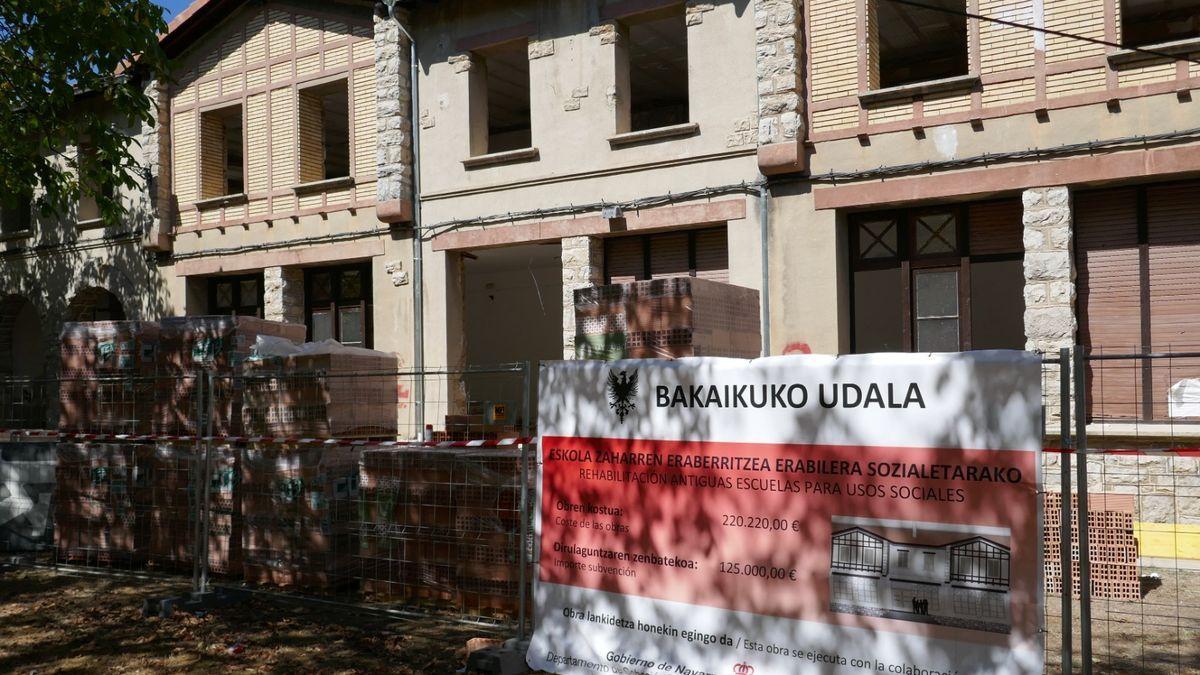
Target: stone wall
point(582, 266)
point(393, 107)
point(1049, 280)
point(283, 294)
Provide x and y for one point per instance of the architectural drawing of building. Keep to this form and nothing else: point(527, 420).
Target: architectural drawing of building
point(921, 574)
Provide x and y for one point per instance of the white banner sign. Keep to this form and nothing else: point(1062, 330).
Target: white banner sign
point(872, 514)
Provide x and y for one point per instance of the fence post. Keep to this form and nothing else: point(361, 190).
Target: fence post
point(206, 477)
point(522, 609)
point(1064, 547)
point(197, 474)
point(1085, 574)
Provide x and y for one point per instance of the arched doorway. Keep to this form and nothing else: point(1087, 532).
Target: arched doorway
point(95, 304)
point(22, 342)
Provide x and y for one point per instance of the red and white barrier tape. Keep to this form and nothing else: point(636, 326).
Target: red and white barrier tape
point(272, 440)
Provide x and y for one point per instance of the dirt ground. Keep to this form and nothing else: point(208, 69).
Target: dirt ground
point(58, 623)
point(52, 622)
point(1158, 634)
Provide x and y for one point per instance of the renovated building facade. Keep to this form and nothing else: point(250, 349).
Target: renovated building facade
point(889, 177)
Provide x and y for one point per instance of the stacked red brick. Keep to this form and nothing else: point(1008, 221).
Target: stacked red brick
point(337, 394)
point(167, 506)
point(194, 345)
point(299, 506)
point(106, 371)
point(441, 528)
point(95, 513)
point(1112, 547)
point(667, 318)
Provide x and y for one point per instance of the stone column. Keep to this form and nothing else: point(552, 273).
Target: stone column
point(779, 37)
point(1049, 279)
point(152, 206)
point(393, 117)
point(283, 294)
point(582, 266)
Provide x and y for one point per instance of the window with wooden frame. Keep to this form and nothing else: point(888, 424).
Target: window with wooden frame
point(240, 295)
point(337, 304)
point(324, 115)
point(909, 44)
point(938, 279)
point(700, 253)
point(1151, 22)
point(222, 154)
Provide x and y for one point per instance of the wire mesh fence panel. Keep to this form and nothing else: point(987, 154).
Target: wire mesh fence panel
point(443, 529)
point(1143, 511)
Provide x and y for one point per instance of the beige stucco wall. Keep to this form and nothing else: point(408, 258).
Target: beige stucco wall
point(573, 113)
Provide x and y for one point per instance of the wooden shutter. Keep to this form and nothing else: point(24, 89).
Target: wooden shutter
point(624, 260)
point(312, 137)
point(669, 256)
point(212, 156)
point(995, 227)
point(1109, 297)
point(712, 255)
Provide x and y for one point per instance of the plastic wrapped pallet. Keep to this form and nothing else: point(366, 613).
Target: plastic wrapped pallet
point(667, 318)
point(106, 372)
point(194, 345)
point(95, 515)
point(323, 390)
point(299, 508)
point(441, 527)
point(167, 496)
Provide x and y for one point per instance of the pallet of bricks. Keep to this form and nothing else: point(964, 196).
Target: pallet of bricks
point(106, 376)
point(326, 391)
point(482, 422)
point(441, 528)
point(299, 510)
point(406, 516)
point(194, 345)
point(95, 514)
point(1112, 547)
point(667, 318)
point(168, 495)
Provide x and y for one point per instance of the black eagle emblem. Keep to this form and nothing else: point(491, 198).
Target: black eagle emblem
point(621, 392)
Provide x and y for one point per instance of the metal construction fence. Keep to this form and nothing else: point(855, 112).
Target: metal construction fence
point(328, 483)
point(404, 491)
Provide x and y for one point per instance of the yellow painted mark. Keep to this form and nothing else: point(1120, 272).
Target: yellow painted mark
point(1168, 540)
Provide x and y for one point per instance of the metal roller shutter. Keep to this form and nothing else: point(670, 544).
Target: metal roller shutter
point(624, 260)
point(712, 255)
point(995, 227)
point(1173, 256)
point(1138, 263)
point(1108, 292)
point(669, 256)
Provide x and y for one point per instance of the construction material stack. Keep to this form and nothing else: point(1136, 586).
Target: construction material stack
point(1112, 547)
point(299, 506)
point(170, 486)
point(194, 345)
point(95, 515)
point(667, 318)
point(326, 391)
point(441, 528)
point(107, 376)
